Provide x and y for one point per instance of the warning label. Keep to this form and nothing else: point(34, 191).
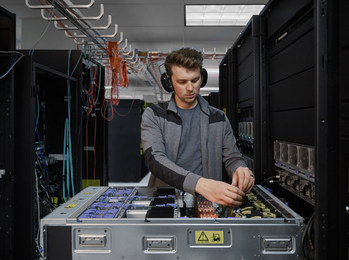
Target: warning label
point(209, 237)
point(71, 205)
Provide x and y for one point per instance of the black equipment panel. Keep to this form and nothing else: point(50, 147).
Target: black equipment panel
point(245, 93)
point(124, 143)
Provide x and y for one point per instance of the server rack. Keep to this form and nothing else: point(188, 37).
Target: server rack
point(289, 81)
point(125, 161)
point(332, 200)
point(227, 100)
point(88, 127)
point(224, 84)
point(289, 107)
point(57, 93)
point(94, 127)
point(7, 134)
point(304, 118)
point(245, 93)
point(37, 87)
point(213, 99)
point(25, 208)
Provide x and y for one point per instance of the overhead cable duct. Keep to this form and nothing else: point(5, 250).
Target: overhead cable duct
point(51, 6)
point(100, 42)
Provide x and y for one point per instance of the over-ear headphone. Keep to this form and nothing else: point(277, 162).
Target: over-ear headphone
point(167, 82)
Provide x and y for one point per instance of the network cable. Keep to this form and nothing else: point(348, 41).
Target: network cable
point(14, 62)
point(68, 176)
point(68, 173)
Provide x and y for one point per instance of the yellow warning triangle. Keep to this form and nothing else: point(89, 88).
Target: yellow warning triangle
point(203, 237)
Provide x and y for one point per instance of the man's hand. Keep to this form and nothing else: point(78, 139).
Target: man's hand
point(243, 178)
point(220, 192)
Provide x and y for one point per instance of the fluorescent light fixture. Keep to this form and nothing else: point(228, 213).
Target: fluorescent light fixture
point(220, 15)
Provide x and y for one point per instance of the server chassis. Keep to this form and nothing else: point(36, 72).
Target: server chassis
point(131, 228)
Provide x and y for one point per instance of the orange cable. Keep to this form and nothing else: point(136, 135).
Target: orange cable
point(126, 114)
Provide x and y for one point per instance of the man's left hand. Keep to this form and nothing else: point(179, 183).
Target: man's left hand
point(243, 178)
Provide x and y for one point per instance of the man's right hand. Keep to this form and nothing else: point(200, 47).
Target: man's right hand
point(220, 192)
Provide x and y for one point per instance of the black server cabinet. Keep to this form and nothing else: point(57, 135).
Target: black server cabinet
point(25, 208)
point(87, 123)
point(7, 115)
point(125, 161)
point(246, 93)
point(225, 81)
point(94, 126)
point(305, 76)
point(332, 135)
point(289, 107)
point(37, 87)
point(213, 99)
point(290, 75)
point(7, 30)
point(54, 87)
point(288, 79)
point(227, 99)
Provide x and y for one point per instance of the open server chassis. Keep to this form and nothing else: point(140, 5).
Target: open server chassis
point(132, 227)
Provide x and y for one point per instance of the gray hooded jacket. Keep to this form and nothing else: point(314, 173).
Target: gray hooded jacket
point(161, 133)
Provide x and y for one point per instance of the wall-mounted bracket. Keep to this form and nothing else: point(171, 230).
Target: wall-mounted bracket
point(97, 36)
point(66, 27)
point(62, 18)
point(51, 6)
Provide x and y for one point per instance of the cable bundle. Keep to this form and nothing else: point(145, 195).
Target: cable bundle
point(119, 78)
point(68, 173)
point(92, 94)
point(119, 71)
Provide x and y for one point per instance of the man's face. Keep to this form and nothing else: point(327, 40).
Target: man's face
point(186, 84)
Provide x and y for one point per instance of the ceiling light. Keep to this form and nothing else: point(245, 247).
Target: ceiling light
point(220, 15)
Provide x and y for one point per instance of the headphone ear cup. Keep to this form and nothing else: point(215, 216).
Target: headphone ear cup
point(166, 82)
point(204, 77)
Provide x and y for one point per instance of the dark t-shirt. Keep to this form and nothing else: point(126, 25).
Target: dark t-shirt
point(189, 153)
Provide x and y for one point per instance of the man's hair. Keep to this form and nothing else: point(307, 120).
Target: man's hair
point(185, 57)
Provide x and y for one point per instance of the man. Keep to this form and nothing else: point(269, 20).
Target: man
point(185, 140)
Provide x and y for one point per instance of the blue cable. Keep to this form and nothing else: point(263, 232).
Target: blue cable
point(64, 159)
point(37, 114)
point(66, 128)
point(37, 132)
point(69, 163)
point(69, 151)
point(67, 145)
point(71, 159)
point(14, 62)
point(76, 65)
point(69, 125)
